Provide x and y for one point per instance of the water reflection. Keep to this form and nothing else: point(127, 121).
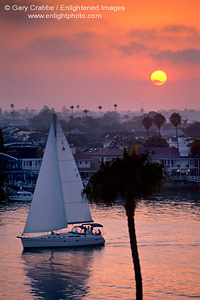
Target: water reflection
point(182, 194)
point(60, 273)
point(13, 206)
point(169, 248)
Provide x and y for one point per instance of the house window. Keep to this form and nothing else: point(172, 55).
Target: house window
point(30, 163)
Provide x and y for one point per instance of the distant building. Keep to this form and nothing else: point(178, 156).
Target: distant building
point(84, 164)
point(177, 167)
point(103, 155)
point(22, 163)
point(170, 133)
point(23, 171)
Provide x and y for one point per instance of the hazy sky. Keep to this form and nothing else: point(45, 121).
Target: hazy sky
point(102, 62)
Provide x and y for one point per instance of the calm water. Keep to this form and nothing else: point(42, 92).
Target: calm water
point(169, 247)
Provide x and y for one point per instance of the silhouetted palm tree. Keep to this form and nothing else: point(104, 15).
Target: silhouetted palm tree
point(115, 106)
point(100, 108)
point(159, 120)
point(72, 109)
point(147, 123)
point(12, 111)
point(195, 147)
point(86, 111)
point(131, 178)
point(175, 119)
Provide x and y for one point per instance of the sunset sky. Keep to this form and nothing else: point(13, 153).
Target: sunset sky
point(102, 62)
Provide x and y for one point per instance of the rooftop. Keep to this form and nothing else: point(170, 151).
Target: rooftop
point(79, 155)
point(105, 152)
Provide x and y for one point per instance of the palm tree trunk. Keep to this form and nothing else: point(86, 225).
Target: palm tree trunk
point(135, 255)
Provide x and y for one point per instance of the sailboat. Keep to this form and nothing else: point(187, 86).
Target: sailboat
point(58, 201)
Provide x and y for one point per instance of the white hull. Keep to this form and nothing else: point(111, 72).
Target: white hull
point(21, 196)
point(62, 240)
point(20, 199)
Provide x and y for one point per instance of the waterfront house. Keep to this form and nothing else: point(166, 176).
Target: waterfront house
point(176, 166)
point(104, 154)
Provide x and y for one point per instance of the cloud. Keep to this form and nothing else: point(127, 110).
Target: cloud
point(161, 44)
point(63, 46)
point(144, 34)
point(133, 48)
point(165, 33)
point(180, 29)
point(191, 56)
point(188, 55)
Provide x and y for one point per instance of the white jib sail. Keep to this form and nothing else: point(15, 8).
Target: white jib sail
point(47, 211)
point(77, 207)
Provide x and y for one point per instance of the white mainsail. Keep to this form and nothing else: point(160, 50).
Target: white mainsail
point(47, 211)
point(57, 199)
point(76, 207)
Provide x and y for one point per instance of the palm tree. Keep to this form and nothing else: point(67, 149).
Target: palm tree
point(12, 111)
point(175, 119)
point(159, 120)
point(86, 111)
point(100, 108)
point(72, 109)
point(147, 123)
point(131, 178)
point(115, 106)
point(195, 147)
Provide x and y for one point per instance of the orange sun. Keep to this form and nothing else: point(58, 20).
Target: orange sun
point(158, 77)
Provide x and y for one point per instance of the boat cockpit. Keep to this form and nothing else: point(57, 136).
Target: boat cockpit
point(90, 228)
